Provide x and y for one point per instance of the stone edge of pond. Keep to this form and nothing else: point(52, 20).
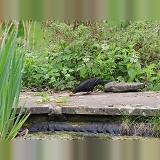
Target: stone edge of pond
point(113, 110)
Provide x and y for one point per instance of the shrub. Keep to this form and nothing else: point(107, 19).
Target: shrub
point(128, 53)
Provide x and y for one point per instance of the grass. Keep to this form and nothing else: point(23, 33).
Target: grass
point(141, 125)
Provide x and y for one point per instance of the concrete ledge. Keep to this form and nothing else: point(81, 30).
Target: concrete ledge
point(119, 110)
point(36, 110)
point(98, 103)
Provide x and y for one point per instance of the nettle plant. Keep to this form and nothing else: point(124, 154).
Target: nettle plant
point(68, 64)
point(133, 64)
point(107, 52)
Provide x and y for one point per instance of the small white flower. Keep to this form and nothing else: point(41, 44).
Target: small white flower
point(86, 59)
point(105, 47)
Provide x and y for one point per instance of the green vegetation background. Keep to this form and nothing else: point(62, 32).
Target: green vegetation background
point(60, 54)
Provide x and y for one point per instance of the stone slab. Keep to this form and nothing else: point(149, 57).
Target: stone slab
point(123, 87)
point(97, 103)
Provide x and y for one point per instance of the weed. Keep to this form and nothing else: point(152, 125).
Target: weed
point(61, 100)
point(155, 121)
point(45, 98)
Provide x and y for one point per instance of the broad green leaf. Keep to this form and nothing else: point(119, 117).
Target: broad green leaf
point(138, 65)
point(132, 73)
point(83, 72)
point(120, 78)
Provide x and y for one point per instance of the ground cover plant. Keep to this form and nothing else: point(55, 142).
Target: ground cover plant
point(78, 50)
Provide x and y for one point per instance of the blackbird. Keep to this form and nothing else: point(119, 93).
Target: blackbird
point(88, 85)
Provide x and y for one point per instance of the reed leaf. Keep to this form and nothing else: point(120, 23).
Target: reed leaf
point(11, 65)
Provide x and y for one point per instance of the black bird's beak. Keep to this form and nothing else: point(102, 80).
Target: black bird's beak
point(71, 94)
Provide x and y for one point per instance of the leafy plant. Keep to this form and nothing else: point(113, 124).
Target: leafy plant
point(150, 73)
point(45, 98)
point(11, 65)
point(127, 52)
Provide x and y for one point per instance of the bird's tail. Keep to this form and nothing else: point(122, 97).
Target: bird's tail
point(104, 81)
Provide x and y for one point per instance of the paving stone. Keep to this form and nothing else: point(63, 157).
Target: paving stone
point(97, 103)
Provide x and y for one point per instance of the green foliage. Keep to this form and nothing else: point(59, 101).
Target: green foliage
point(143, 35)
point(155, 121)
point(45, 98)
point(128, 52)
point(11, 65)
point(64, 33)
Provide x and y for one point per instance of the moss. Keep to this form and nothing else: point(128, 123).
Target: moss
point(133, 138)
point(61, 100)
point(78, 123)
point(82, 136)
point(68, 136)
point(63, 104)
point(26, 125)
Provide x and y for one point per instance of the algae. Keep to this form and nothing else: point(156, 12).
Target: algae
point(67, 136)
point(81, 136)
